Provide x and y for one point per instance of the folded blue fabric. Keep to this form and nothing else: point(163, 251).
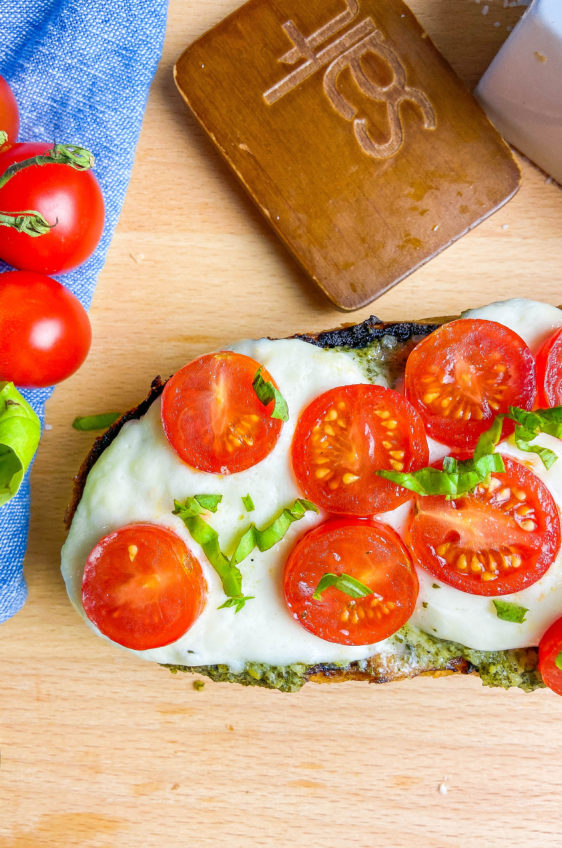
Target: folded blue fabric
point(80, 71)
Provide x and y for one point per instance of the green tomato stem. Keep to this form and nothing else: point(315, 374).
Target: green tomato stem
point(30, 222)
point(60, 154)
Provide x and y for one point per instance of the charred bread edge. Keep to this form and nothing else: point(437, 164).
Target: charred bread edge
point(354, 336)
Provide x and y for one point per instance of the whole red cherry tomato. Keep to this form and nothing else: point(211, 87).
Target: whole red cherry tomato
point(70, 200)
point(9, 116)
point(44, 330)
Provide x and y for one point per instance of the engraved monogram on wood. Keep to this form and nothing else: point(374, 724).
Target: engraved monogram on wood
point(348, 51)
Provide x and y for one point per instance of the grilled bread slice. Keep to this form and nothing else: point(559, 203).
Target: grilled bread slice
point(410, 652)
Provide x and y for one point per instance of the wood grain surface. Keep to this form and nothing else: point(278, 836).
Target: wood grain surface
point(103, 751)
point(360, 204)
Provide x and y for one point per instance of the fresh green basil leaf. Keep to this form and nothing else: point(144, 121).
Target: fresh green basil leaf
point(547, 456)
point(197, 505)
point(248, 503)
point(558, 661)
point(508, 611)
point(532, 424)
point(267, 392)
point(345, 583)
point(238, 603)
point(20, 431)
point(207, 537)
point(488, 441)
point(273, 533)
point(457, 477)
point(190, 512)
point(96, 422)
point(539, 420)
point(209, 502)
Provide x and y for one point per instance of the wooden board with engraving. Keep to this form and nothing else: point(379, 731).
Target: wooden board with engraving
point(359, 144)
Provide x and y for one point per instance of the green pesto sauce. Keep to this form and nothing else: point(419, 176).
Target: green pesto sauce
point(384, 358)
point(415, 652)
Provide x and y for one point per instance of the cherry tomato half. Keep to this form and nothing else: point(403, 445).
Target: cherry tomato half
point(550, 657)
point(549, 371)
point(212, 416)
point(498, 539)
point(142, 587)
point(370, 552)
point(9, 115)
point(44, 329)
point(464, 374)
point(70, 200)
point(348, 433)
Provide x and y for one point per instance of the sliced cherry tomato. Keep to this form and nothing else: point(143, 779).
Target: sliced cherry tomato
point(44, 330)
point(370, 552)
point(142, 587)
point(212, 416)
point(550, 657)
point(464, 374)
point(9, 116)
point(68, 199)
point(549, 371)
point(498, 539)
point(347, 434)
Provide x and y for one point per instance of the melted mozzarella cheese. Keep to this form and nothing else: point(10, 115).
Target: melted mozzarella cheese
point(139, 475)
point(531, 320)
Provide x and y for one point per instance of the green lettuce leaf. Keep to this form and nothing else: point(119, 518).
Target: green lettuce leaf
point(20, 431)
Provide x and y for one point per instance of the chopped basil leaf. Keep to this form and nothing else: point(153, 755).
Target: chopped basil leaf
point(558, 661)
point(198, 504)
point(96, 422)
point(458, 476)
point(425, 604)
point(190, 513)
point(435, 586)
point(531, 424)
point(273, 533)
point(207, 537)
point(248, 503)
point(236, 602)
point(345, 583)
point(508, 611)
point(209, 502)
point(20, 431)
point(267, 392)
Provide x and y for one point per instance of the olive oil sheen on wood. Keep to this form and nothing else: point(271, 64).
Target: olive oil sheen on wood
point(359, 144)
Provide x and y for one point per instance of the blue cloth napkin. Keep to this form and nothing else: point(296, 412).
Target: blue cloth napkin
point(80, 71)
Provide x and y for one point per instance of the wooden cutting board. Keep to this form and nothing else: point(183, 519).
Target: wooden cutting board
point(361, 147)
point(99, 750)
